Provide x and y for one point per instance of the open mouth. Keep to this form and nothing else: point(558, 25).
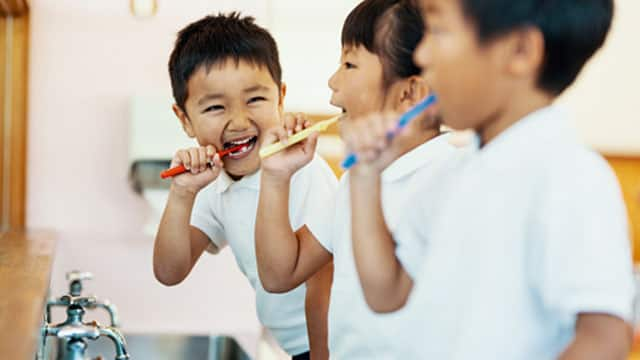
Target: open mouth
point(245, 146)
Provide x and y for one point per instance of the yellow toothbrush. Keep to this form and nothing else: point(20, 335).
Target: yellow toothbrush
point(296, 138)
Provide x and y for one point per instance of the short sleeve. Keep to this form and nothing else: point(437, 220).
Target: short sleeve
point(426, 193)
point(313, 200)
point(411, 240)
point(581, 259)
point(204, 219)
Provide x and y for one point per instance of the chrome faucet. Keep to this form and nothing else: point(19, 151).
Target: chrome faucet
point(75, 279)
point(75, 332)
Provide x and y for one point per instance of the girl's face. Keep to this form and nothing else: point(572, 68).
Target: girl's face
point(358, 85)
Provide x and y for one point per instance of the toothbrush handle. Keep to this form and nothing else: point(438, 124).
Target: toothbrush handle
point(180, 169)
point(349, 161)
point(352, 158)
point(174, 171)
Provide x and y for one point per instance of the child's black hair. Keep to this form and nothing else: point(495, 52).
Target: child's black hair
point(573, 31)
point(218, 38)
point(391, 29)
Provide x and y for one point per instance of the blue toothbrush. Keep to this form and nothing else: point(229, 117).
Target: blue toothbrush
point(404, 120)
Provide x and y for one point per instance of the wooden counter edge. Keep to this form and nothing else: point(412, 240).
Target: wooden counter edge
point(26, 260)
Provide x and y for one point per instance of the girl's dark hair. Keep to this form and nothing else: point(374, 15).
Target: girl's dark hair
point(391, 29)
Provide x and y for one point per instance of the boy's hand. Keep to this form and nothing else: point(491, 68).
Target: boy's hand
point(369, 139)
point(204, 166)
point(285, 163)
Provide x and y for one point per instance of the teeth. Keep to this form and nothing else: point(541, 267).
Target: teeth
point(243, 150)
point(240, 142)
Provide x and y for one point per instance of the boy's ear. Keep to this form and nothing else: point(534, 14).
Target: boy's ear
point(413, 90)
point(527, 51)
point(184, 120)
point(283, 93)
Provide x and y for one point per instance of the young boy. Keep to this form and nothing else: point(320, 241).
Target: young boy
point(376, 72)
point(227, 86)
point(527, 249)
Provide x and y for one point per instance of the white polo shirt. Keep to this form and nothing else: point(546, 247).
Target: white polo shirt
point(356, 332)
point(226, 211)
point(531, 232)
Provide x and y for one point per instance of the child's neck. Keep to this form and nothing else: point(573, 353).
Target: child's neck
point(420, 137)
point(512, 111)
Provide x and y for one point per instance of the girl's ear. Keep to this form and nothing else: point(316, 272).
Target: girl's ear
point(412, 91)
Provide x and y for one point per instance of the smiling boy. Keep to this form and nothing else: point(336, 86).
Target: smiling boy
point(226, 80)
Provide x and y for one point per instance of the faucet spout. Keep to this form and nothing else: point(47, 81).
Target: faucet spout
point(118, 341)
point(111, 309)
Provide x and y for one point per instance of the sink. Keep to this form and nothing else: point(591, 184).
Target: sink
point(159, 347)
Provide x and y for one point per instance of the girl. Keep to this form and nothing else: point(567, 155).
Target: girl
point(377, 74)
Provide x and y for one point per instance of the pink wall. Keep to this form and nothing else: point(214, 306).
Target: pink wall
point(87, 59)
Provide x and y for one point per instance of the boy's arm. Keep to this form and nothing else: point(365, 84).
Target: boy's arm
point(317, 310)
point(286, 258)
point(581, 263)
point(599, 336)
point(385, 282)
point(178, 245)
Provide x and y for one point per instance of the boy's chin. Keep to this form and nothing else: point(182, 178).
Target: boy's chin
point(243, 167)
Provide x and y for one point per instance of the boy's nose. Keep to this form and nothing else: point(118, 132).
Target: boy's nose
point(239, 122)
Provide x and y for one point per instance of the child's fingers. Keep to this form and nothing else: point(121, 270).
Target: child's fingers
point(195, 160)
point(385, 126)
point(289, 123)
point(281, 134)
point(216, 165)
point(211, 152)
point(310, 143)
point(274, 135)
point(367, 135)
point(183, 158)
point(202, 155)
point(300, 119)
point(217, 162)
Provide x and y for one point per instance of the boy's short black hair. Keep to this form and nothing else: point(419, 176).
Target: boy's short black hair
point(573, 31)
point(217, 38)
point(391, 29)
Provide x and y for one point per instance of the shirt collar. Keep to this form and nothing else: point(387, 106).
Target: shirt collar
point(224, 182)
point(417, 158)
point(540, 126)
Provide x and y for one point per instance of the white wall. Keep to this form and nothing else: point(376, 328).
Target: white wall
point(604, 101)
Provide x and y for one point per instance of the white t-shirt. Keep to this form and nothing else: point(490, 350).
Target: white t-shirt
point(356, 332)
point(226, 211)
point(531, 232)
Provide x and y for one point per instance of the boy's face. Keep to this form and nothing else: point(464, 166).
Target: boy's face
point(465, 74)
point(231, 104)
point(357, 85)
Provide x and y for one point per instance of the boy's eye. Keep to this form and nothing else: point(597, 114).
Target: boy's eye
point(256, 99)
point(213, 108)
point(349, 65)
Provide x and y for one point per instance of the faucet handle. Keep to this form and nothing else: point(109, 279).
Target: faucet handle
point(82, 301)
point(79, 275)
point(79, 331)
point(75, 279)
